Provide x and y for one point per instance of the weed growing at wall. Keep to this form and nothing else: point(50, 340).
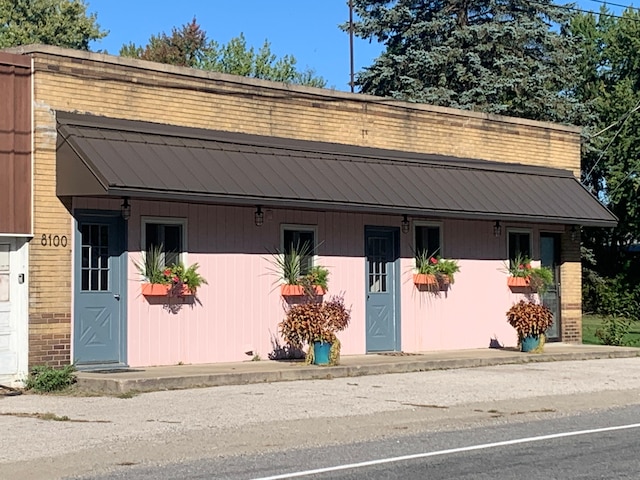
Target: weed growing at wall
point(46, 379)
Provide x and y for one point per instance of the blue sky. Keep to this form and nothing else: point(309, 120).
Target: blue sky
point(306, 29)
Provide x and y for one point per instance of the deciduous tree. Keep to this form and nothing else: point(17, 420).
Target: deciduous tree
point(64, 23)
point(189, 46)
point(610, 64)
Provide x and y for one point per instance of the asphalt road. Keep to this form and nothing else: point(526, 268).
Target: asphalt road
point(592, 445)
point(261, 430)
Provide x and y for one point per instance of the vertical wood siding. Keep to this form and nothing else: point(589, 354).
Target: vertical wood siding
point(237, 313)
point(15, 144)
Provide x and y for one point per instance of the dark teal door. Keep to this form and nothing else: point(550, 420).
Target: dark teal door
point(382, 278)
point(99, 306)
point(550, 257)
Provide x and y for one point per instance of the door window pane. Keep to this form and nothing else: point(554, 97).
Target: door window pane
point(4, 273)
point(4, 287)
point(94, 274)
point(377, 252)
point(4, 258)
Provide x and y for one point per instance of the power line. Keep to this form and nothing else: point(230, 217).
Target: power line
point(624, 119)
point(631, 172)
point(582, 10)
point(604, 2)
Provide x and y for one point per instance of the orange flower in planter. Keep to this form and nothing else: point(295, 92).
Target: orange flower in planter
point(161, 280)
point(523, 275)
point(434, 271)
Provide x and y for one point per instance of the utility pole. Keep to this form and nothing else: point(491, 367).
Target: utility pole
point(351, 83)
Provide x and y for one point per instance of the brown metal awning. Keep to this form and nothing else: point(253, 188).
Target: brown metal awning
point(100, 156)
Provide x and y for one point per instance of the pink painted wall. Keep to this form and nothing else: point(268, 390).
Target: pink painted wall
point(239, 310)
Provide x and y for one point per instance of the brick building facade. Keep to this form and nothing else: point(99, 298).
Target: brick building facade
point(120, 88)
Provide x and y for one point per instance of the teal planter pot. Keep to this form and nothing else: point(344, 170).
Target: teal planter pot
point(321, 353)
point(529, 343)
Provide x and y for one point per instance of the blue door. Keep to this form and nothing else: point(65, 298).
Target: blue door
point(99, 306)
point(550, 257)
point(382, 279)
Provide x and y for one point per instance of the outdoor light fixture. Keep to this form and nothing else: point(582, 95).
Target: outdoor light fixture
point(259, 216)
point(574, 233)
point(125, 209)
point(405, 224)
point(497, 229)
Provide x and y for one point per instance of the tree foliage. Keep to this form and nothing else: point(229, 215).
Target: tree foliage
point(189, 46)
point(64, 23)
point(610, 64)
point(512, 57)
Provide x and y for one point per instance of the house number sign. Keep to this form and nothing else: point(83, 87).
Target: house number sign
point(53, 240)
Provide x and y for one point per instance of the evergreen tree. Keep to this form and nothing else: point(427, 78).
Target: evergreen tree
point(513, 57)
point(189, 46)
point(64, 23)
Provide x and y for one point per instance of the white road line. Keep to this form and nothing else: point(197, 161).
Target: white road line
point(446, 452)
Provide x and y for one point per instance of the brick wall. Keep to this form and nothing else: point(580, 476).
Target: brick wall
point(132, 89)
point(50, 339)
point(571, 290)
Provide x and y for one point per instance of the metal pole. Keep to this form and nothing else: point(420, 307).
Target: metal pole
point(351, 83)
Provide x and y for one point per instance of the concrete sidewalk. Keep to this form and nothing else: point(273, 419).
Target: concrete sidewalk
point(194, 376)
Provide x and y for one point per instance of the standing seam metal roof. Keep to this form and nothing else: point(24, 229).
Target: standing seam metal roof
point(141, 159)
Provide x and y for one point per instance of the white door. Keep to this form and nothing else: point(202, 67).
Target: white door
point(8, 327)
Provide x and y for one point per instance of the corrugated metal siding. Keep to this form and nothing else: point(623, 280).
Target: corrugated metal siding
point(15, 144)
point(130, 158)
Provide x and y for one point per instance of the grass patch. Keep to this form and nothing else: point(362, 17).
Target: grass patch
point(591, 324)
point(128, 394)
point(48, 416)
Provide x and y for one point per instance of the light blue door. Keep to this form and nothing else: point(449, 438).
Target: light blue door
point(550, 257)
point(99, 307)
point(382, 277)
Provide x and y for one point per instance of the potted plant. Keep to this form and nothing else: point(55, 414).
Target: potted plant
point(290, 267)
point(523, 275)
point(316, 324)
point(530, 320)
point(185, 278)
point(433, 271)
point(174, 280)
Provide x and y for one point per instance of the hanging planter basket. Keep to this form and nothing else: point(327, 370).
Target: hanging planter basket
point(425, 279)
point(298, 290)
point(518, 282)
point(164, 290)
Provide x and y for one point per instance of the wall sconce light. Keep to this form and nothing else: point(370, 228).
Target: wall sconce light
point(259, 216)
point(125, 209)
point(405, 224)
point(497, 229)
point(574, 233)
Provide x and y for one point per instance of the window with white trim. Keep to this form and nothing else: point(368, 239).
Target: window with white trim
point(167, 233)
point(427, 238)
point(300, 238)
